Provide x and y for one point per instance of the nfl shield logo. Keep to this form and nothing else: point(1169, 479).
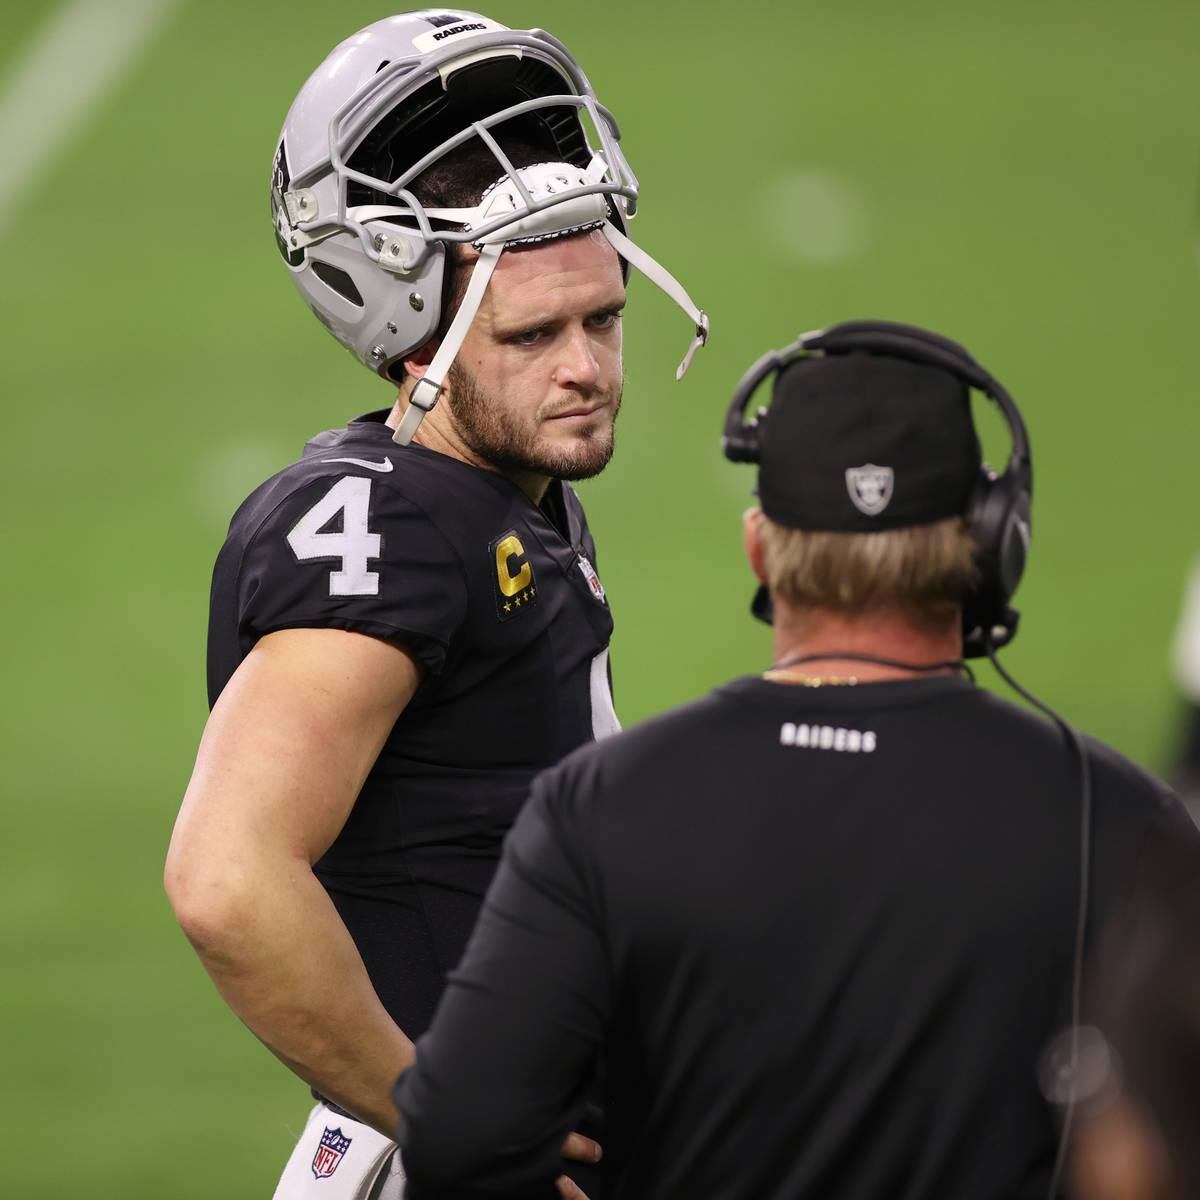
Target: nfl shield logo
point(870, 487)
point(593, 580)
point(329, 1153)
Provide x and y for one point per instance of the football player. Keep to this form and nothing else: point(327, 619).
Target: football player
point(407, 624)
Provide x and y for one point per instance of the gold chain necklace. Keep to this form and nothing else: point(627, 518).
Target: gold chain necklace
point(829, 681)
point(816, 681)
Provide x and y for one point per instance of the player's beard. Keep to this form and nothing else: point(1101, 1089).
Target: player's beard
point(497, 436)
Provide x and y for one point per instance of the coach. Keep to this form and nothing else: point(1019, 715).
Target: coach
point(817, 925)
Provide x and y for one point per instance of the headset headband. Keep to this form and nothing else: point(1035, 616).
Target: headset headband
point(893, 340)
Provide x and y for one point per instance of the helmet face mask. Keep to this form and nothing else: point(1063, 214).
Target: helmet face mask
point(406, 98)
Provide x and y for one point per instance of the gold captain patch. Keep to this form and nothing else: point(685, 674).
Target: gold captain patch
point(516, 591)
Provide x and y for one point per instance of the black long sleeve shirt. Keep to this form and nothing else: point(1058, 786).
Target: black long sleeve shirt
point(816, 938)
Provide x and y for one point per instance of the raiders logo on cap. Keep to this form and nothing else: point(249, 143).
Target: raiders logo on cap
point(870, 487)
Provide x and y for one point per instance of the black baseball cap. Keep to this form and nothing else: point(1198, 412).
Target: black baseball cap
point(860, 441)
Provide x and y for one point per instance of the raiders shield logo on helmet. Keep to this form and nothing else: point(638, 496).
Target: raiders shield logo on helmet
point(870, 487)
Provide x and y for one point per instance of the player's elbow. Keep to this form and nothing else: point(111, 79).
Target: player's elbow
point(208, 901)
point(198, 906)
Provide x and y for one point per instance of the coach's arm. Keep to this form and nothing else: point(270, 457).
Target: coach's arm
point(513, 1046)
point(285, 752)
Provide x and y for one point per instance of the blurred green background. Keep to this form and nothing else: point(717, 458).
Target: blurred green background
point(1021, 177)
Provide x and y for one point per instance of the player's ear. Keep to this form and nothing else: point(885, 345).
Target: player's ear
point(418, 360)
point(752, 539)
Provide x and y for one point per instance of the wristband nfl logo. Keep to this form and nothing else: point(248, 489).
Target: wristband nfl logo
point(329, 1153)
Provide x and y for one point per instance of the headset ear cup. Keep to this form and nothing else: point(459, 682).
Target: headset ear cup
point(1014, 543)
point(998, 521)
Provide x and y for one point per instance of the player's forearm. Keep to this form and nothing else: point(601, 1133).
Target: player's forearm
point(284, 962)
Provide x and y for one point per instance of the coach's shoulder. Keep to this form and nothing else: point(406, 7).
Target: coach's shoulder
point(1115, 774)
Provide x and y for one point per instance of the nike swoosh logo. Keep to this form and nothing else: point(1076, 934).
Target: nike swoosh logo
point(384, 466)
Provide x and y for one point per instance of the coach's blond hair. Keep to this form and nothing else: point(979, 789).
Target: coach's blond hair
point(925, 571)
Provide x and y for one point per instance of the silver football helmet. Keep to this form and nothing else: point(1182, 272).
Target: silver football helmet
point(387, 105)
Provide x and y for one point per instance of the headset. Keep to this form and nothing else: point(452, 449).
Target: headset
point(998, 518)
point(998, 511)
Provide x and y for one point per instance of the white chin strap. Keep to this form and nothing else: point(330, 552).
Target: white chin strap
point(427, 391)
point(659, 275)
point(565, 217)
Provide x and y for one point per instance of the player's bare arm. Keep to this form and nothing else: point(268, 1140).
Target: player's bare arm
point(283, 757)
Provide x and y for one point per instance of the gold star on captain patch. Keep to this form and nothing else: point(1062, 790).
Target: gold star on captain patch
point(508, 608)
point(518, 601)
point(532, 593)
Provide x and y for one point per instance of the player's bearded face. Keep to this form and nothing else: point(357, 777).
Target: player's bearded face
point(547, 441)
point(537, 384)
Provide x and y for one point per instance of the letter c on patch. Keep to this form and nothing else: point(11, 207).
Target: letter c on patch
point(508, 549)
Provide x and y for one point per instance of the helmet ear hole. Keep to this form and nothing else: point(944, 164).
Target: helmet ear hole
point(340, 281)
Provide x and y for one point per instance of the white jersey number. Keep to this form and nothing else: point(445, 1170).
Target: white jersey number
point(354, 544)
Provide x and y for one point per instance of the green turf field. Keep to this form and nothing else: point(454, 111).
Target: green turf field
point(1020, 176)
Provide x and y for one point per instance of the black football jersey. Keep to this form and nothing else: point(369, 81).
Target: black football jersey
point(497, 598)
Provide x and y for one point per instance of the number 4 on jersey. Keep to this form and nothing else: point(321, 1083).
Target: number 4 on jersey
point(354, 544)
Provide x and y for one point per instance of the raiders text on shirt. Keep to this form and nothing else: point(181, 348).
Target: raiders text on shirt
point(827, 737)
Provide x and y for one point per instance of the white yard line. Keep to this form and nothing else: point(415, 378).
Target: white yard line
point(56, 80)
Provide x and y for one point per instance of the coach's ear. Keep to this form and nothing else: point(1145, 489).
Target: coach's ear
point(752, 540)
